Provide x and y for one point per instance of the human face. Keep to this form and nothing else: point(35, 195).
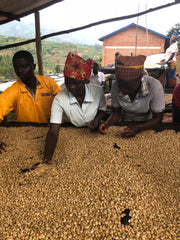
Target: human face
point(76, 87)
point(24, 69)
point(128, 86)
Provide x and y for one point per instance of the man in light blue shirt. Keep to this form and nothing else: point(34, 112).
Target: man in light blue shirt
point(80, 103)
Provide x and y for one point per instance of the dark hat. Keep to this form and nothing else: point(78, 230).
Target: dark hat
point(129, 67)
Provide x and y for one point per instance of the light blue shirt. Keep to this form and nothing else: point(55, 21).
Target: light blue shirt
point(65, 107)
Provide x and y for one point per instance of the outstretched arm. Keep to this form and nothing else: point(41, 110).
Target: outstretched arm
point(51, 141)
point(131, 131)
point(170, 57)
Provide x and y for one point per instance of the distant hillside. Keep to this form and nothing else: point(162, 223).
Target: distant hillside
point(54, 54)
point(27, 30)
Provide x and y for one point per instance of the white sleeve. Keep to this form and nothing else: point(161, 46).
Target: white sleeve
point(174, 48)
point(102, 76)
point(56, 111)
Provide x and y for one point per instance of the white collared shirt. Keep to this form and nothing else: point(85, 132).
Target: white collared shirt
point(65, 107)
point(98, 79)
point(173, 48)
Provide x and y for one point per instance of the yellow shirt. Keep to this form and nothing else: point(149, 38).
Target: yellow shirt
point(27, 109)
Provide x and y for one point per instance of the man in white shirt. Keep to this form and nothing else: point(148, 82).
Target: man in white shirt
point(97, 78)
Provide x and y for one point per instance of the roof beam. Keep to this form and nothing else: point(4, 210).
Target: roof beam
point(9, 15)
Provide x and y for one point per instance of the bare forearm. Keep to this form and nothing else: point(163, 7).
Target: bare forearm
point(51, 141)
point(100, 115)
point(171, 57)
point(151, 123)
point(132, 130)
point(113, 119)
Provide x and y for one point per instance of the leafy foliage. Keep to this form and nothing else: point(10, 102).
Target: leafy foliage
point(53, 53)
point(175, 29)
point(6, 69)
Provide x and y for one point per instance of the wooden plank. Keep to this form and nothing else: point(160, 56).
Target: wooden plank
point(38, 44)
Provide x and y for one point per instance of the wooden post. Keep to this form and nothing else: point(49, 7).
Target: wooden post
point(147, 35)
point(38, 44)
point(136, 32)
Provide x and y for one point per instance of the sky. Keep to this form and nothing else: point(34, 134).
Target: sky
point(70, 14)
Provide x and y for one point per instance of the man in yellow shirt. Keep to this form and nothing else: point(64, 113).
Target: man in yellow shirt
point(31, 96)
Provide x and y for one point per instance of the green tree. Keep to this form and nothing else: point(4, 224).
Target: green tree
point(53, 54)
point(6, 70)
point(57, 68)
point(175, 29)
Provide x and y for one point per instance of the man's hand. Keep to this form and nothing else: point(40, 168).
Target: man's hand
point(130, 131)
point(103, 128)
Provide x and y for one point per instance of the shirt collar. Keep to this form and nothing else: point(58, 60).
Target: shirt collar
point(23, 86)
point(143, 91)
point(37, 83)
point(92, 74)
point(88, 96)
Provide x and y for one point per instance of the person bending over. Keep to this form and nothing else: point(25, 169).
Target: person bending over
point(79, 103)
point(136, 98)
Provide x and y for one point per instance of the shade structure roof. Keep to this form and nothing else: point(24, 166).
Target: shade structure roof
point(15, 9)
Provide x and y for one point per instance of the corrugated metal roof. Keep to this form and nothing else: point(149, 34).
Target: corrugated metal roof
point(131, 25)
point(15, 9)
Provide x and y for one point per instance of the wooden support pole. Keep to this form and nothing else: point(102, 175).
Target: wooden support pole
point(38, 44)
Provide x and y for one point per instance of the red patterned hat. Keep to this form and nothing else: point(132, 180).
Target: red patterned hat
point(76, 67)
point(129, 67)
